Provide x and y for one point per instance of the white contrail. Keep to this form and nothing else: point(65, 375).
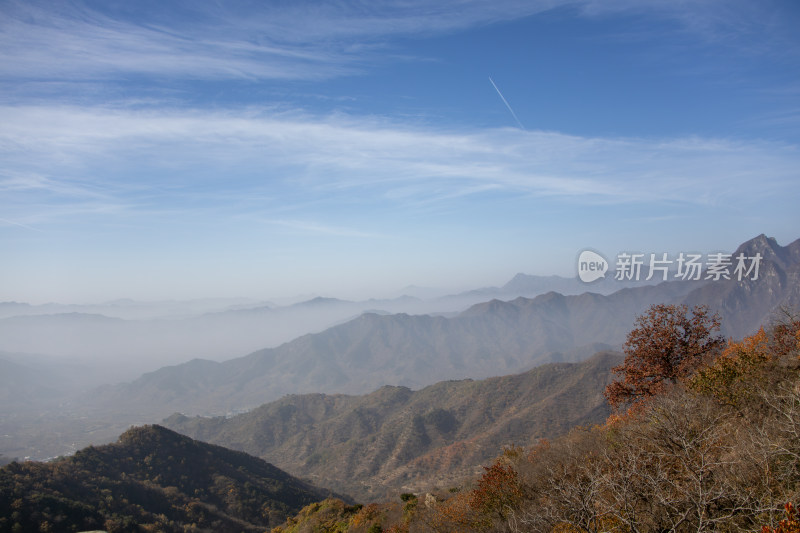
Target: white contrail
point(506, 102)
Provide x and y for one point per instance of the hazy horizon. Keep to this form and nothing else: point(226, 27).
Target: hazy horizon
point(173, 151)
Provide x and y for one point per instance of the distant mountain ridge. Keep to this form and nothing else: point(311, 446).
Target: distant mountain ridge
point(491, 338)
point(747, 304)
point(358, 356)
point(395, 439)
point(138, 336)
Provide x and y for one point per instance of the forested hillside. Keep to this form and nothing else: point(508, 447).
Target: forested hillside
point(396, 439)
point(152, 479)
point(713, 449)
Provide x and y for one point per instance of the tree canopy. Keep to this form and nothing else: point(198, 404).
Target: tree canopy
point(667, 344)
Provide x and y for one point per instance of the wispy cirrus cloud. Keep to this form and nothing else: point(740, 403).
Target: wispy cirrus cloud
point(288, 41)
point(303, 40)
point(43, 43)
point(171, 137)
point(187, 160)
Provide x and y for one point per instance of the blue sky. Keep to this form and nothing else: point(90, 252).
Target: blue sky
point(193, 149)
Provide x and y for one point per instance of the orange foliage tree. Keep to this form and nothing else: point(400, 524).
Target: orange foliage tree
point(498, 492)
point(666, 345)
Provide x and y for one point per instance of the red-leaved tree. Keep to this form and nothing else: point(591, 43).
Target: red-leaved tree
point(667, 344)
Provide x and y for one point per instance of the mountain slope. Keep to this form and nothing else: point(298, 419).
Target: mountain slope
point(396, 439)
point(151, 476)
point(489, 339)
point(745, 305)
point(492, 338)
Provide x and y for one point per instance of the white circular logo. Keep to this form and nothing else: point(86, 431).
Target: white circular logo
point(591, 266)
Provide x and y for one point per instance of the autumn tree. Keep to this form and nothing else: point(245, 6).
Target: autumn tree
point(498, 491)
point(733, 376)
point(788, 525)
point(785, 333)
point(667, 344)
